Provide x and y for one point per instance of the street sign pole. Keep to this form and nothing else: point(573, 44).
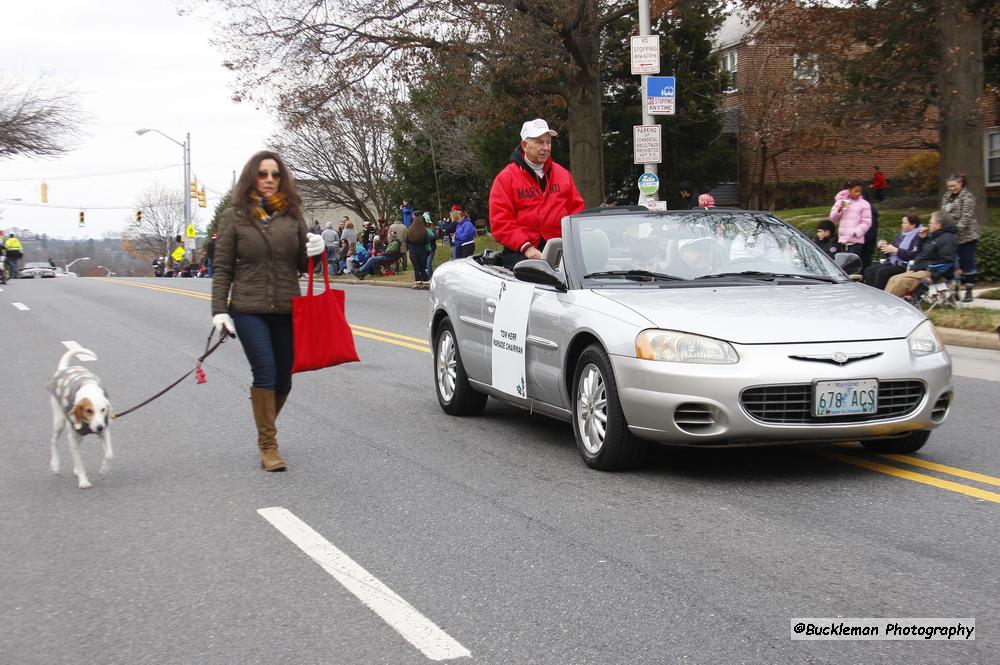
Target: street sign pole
point(187, 185)
point(645, 28)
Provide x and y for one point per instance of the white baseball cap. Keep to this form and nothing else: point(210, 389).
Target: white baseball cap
point(535, 128)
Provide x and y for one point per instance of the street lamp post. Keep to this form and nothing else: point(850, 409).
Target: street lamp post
point(186, 146)
point(107, 269)
point(70, 264)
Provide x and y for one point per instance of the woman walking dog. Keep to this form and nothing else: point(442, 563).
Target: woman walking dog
point(262, 247)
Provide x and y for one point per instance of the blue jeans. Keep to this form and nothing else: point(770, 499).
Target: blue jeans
point(267, 343)
point(430, 265)
point(966, 259)
point(375, 261)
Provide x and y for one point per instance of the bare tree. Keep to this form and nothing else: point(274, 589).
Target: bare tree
point(37, 120)
point(162, 216)
point(539, 49)
point(341, 152)
point(781, 114)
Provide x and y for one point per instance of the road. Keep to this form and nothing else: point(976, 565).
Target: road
point(485, 536)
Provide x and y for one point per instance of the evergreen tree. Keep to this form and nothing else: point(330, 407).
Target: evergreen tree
point(225, 202)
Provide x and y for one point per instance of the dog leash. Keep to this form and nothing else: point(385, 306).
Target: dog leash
point(209, 350)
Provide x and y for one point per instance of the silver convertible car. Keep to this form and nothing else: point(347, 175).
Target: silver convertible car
point(698, 328)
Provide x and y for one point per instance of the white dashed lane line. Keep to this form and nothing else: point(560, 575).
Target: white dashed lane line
point(21, 306)
point(405, 619)
point(73, 346)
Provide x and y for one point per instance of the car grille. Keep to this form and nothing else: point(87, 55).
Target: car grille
point(792, 404)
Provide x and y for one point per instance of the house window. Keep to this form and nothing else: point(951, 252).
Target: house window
point(992, 145)
point(805, 67)
point(729, 64)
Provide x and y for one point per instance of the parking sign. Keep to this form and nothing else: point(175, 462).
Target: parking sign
point(646, 144)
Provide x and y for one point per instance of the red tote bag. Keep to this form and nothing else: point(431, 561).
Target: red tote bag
point(321, 335)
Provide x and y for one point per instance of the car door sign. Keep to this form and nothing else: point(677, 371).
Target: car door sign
point(510, 328)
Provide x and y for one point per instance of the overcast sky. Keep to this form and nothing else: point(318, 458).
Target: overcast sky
point(136, 63)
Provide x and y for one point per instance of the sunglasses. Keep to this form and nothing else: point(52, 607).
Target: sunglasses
point(274, 174)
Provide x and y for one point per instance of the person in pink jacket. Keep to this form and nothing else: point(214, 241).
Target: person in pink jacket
point(853, 216)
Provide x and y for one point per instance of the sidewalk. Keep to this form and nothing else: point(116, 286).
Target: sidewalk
point(983, 302)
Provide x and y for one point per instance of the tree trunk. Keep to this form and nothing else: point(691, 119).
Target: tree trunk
point(960, 89)
point(763, 175)
point(585, 125)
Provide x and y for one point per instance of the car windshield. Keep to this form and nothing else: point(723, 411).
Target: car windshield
point(36, 264)
point(710, 246)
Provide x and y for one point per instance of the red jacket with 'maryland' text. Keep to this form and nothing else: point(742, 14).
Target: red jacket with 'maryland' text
point(522, 212)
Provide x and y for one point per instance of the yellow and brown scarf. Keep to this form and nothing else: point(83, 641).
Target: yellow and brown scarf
point(265, 207)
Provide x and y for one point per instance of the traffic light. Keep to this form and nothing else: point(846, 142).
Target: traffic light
point(138, 216)
point(194, 188)
point(45, 192)
point(202, 199)
point(81, 218)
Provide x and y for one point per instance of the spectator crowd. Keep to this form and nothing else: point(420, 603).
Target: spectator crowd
point(944, 248)
point(387, 249)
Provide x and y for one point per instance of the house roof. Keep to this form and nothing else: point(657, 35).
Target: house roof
point(734, 30)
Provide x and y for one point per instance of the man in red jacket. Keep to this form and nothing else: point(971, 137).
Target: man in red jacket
point(530, 196)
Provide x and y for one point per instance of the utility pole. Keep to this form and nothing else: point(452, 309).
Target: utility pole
point(645, 28)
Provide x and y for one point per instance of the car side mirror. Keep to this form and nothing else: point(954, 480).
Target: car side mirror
point(538, 271)
point(848, 262)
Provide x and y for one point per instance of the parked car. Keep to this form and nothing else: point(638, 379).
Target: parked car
point(697, 328)
point(36, 269)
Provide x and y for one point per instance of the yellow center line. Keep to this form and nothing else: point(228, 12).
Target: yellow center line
point(165, 289)
point(358, 333)
point(951, 470)
point(910, 475)
point(418, 340)
point(405, 341)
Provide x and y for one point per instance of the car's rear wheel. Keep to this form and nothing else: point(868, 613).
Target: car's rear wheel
point(455, 395)
point(910, 443)
point(602, 435)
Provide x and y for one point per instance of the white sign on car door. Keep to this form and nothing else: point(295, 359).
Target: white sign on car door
point(510, 330)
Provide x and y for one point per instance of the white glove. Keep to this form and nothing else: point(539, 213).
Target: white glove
point(224, 324)
point(314, 244)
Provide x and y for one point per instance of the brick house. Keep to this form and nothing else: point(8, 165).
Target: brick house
point(770, 108)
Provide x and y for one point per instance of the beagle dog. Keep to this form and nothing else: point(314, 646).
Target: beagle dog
point(78, 399)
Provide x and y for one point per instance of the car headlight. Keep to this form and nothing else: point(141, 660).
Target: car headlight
point(924, 340)
point(680, 347)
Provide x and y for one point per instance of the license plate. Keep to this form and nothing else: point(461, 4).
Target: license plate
point(845, 398)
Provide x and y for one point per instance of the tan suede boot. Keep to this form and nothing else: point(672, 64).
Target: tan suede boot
point(264, 413)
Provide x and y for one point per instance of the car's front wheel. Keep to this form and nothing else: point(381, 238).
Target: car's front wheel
point(910, 443)
point(602, 434)
point(455, 395)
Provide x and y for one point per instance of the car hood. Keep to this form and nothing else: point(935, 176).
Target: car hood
point(774, 313)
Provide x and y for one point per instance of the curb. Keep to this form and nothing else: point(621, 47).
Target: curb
point(398, 285)
point(971, 338)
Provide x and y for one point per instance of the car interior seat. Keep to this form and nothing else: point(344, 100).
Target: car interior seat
point(553, 252)
point(596, 250)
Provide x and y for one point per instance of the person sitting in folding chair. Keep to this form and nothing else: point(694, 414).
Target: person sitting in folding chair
point(938, 249)
point(389, 257)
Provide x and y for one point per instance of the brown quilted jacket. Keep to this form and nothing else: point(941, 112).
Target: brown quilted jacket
point(259, 262)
